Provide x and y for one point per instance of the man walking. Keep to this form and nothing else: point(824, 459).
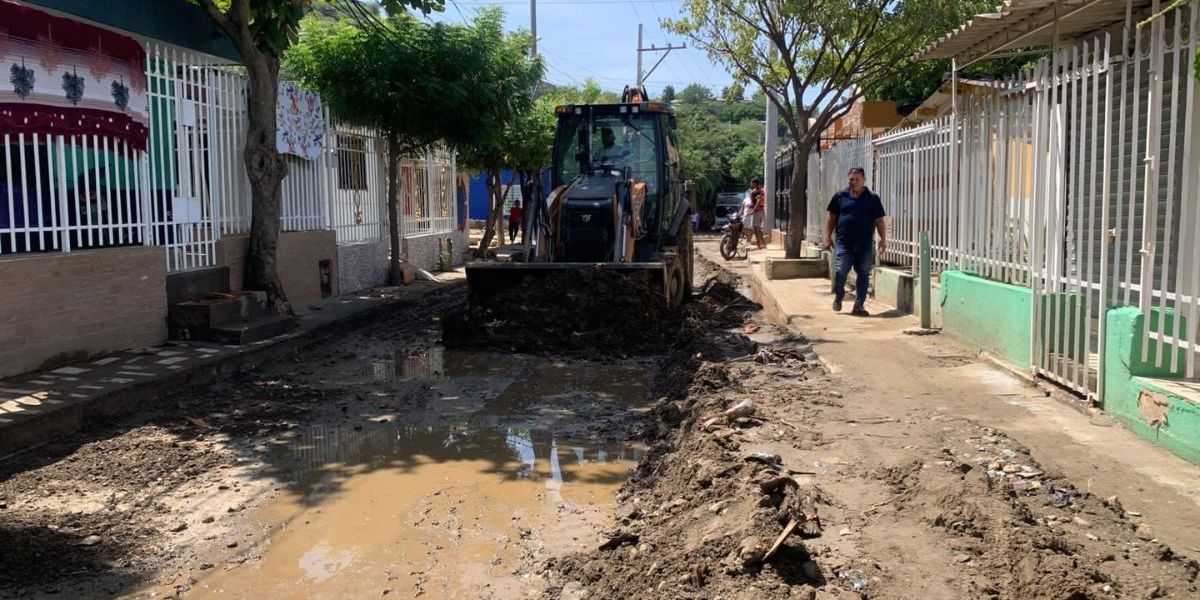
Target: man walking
point(855, 213)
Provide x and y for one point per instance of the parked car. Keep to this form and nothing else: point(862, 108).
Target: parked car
point(727, 204)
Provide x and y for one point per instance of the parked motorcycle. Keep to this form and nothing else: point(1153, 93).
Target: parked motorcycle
point(735, 233)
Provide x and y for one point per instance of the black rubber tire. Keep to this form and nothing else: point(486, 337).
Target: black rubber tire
point(676, 284)
point(728, 246)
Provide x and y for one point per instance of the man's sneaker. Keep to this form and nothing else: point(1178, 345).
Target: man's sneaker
point(859, 311)
point(837, 305)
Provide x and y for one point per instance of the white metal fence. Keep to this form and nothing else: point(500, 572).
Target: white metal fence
point(189, 186)
point(1078, 179)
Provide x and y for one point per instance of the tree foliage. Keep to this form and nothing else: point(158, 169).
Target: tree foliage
point(748, 164)
point(668, 93)
point(814, 60)
point(695, 94)
point(734, 92)
point(262, 31)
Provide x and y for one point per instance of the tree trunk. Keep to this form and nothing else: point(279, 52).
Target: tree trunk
point(798, 209)
point(265, 169)
point(395, 276)
point(496, 212)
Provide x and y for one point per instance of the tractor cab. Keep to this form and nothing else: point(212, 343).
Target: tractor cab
point(616, 205)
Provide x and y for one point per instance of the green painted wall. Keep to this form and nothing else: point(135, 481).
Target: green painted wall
point(993, 317)
point(1126, 376)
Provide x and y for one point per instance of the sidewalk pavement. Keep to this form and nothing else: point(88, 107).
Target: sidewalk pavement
point(935, 377)
point(35, 407)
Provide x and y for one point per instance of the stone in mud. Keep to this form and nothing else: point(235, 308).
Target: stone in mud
point(90, 540)
point(751, 551)
point(573, 590)
point(1143, 532)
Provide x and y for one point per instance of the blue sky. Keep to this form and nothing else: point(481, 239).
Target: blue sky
point(597, 38)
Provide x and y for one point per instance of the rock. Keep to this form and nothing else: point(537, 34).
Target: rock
point(618, 539)
point(776, 483)
point(1081, 521)
point(1114, 502)
point(751, 550)
point(90, 540)
point(844, 531)
point(712, 424)
point(1143, 532)
point(208, 519)
point(630, 513)
point(804, 593)
point(671, 505)
point(231, 545)
point(1011, 469)
point(1092, 536)
point(573, 590)
point(716, 507)
point(206, 566)
point(179, 527)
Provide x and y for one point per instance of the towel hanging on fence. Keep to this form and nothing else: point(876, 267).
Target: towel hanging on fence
point(299, 122)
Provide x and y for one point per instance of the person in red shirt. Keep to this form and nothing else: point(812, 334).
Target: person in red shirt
point(756, 211)
point(516, 221)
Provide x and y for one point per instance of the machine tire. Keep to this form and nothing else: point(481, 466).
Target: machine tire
point(676, 284)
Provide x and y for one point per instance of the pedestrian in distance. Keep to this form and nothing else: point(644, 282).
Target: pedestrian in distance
point(516, 218)
point(754, 209)
point(855, 215)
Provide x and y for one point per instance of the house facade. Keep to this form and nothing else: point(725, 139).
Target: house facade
point(124, 189)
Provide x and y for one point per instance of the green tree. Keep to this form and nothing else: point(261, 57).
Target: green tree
point(411, 80)
point(733, 93)
point(812, 59)
point(695, 94)
point(748, 164)
point(510, 132)
point(668, 94)
point(262, 30)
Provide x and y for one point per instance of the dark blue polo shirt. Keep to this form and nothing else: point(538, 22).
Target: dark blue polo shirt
point(856, 217)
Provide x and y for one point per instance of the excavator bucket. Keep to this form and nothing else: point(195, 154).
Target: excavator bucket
point(486, 280)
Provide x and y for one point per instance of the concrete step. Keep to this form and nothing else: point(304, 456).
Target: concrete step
point(257, 330)
point(194, 319)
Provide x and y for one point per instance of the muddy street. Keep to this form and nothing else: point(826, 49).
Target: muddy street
point(730, 462)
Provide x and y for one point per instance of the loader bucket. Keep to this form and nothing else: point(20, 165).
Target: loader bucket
point(486, 280)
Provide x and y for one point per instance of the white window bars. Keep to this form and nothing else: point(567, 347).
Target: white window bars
point(428, 193)
point(73, 192)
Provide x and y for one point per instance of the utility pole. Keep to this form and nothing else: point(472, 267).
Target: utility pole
point(771, 148)
point(641, 77)
point(533, 26)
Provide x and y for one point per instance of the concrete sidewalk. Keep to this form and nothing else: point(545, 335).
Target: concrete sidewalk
point(35, 407)
point(935, 377)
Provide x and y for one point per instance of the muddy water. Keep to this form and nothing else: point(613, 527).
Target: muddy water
point(502, 469)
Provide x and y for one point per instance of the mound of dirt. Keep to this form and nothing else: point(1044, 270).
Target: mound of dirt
point(589, 313)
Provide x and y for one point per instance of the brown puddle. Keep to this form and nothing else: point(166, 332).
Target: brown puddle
point(461, 511)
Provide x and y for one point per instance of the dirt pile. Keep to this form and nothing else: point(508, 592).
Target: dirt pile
point(705, 508)
point(582, 313)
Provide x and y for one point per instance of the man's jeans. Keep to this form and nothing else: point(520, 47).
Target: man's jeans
point(861, 260)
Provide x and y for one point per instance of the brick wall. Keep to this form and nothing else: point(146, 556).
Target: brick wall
point(60, 307)
point(298, 259)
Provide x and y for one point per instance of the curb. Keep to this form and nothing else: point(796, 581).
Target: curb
point(134, 397)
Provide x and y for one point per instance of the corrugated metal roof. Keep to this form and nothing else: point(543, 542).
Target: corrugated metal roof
point(1025, 24)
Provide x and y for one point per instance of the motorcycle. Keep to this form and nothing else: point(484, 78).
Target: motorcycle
point(735, 233)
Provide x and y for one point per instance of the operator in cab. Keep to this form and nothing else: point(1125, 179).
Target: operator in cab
point(609, 152)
